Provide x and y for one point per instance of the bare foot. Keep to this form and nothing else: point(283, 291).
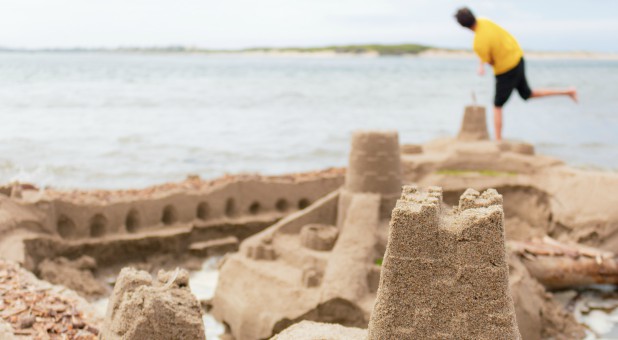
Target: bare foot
point(573, 94)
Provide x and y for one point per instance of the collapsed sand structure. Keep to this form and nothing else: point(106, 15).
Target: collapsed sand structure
point(445, 276)
point(161, 309)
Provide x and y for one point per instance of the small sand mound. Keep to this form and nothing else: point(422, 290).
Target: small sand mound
point(161, 309)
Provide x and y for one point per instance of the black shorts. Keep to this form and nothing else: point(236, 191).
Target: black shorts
point(510, 80)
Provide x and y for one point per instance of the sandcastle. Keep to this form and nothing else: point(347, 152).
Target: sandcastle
point(291, 271)
point(308, 229)
point(301, 258)
point(445, 275)
point(192, 218)
point(474, 124)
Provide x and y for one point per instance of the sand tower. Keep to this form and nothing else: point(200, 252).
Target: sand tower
point(445, 275)
point(374, 167)
point(474, 124)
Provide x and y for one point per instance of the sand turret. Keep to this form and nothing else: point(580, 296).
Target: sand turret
point(445, 275)
point(474, 124)
point(374, 167)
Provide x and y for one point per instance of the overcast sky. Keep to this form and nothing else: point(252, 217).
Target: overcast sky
point(538, 24)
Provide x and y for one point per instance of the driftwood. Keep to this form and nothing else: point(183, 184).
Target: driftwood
point(557, 265)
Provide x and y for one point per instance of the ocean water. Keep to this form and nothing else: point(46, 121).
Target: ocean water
point(112, 120)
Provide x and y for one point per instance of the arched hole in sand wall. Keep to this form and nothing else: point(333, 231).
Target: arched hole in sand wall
point(133, 222)
point(230, 207)
point(170, 216)
point(98, 225)
point(255, 208)
point(203, 211)
point(282, 205)
point(303, 203)
point(66, 227)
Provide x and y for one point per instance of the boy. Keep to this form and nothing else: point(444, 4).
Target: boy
point(497, 47)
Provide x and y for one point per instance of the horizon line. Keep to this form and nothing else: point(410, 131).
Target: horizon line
point(196, 48)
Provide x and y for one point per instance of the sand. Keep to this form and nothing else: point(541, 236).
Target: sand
point(281, 264)
point(353, 251)
point(153, 309)
point(474, 124)
point(538, 315)
point(307, 330)
point(445, 276)
point(297, 233)
point(76, 275)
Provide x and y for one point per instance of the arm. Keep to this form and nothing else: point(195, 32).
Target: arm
point(484, 54)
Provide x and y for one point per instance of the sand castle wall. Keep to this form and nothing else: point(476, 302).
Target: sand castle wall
point(353, 252)
point(445, 275)
point(115, 229)
point(323, 210)
point(258, 265)
point(73, 220)
point(302, 257)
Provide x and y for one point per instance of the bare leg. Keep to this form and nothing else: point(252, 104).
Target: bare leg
point(551, 92)
point(498, 122)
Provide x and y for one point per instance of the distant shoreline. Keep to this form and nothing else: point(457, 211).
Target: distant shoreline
point(573, 55)
point(439, 54)
point(361, 51)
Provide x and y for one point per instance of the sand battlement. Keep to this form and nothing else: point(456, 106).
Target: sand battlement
point(444, 274)
point(473, 199)
point(175, 220)
point(412, 195)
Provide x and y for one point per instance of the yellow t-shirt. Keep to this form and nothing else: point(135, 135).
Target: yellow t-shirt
point(494, 45)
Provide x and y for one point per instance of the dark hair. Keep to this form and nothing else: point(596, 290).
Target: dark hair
point(465, 17)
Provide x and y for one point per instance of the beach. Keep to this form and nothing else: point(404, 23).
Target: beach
point(534, 243)
point(223, 195)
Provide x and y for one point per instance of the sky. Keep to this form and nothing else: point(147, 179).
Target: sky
point(541, 25)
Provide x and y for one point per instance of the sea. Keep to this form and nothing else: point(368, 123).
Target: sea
point(103, 120)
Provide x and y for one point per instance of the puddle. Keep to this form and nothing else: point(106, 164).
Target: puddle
point(203, 284)
point(596, 308)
